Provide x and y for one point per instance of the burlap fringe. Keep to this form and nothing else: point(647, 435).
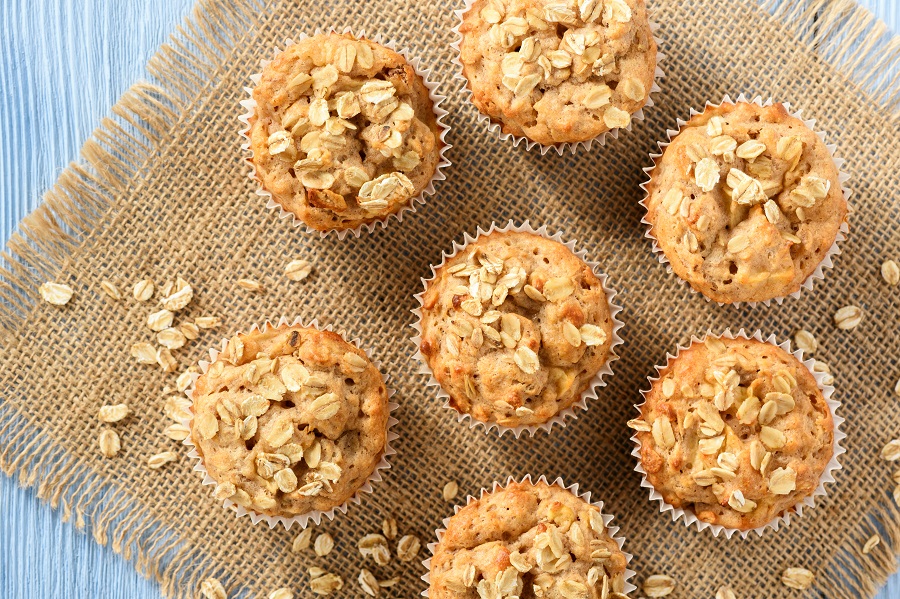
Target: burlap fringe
point(145, 118)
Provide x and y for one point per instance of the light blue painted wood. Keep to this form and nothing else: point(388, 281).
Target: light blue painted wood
point(63, 63)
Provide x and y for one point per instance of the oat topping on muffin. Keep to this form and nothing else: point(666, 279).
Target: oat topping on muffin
point(290, 420)
point(344, 131)
point(527, 540)
point(736, 431)
point(558, 71)
point(745, 202)
point(514, 328)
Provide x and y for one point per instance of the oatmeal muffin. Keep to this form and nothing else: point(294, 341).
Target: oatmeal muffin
point(557, 71)
point(344, 131)
point(745, 202)
point(735, 431)
point(527, 540)
point(290, 420)
point(514, 327)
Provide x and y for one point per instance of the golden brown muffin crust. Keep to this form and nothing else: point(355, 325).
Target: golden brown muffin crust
point(526, 540)
point(344, 131)
point(290, 420)
point(530, 344)
point(736, 431)
point(745, 202)
point(557, 72)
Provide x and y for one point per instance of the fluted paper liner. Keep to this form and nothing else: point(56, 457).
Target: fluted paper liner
point(827, 476)
point(572, 147)
point(827, 260)
point(573, 489)
point(595, 383)
point(315, 515)
point(411, 205)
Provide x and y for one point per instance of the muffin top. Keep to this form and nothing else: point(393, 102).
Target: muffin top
point(290, 420)
point(558, 71)
point(514, 327)
point(344, 132)
point(745, 202)
point(735, 431)
point(527, 535)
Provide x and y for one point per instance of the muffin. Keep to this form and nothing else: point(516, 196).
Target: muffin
point(344, 132)
point(745, 202)
point(527, 540)
point(289, 420)
point(557, 72)
point(514, 327)
point(735, 431)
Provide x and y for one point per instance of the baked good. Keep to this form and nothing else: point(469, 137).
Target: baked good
point(514, 327)
point(557, 71)
point(290, 419)
point(735, 431)
point(527, 540)
point(344, 131)
point(745, 202)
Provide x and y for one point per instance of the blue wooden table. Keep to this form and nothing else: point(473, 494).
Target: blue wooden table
point(63, 63)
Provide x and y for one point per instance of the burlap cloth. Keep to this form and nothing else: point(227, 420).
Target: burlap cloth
point(164, 192)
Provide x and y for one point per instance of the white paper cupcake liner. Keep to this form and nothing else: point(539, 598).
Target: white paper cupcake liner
point(437, 99)
point(590, 393)
point(315, 516)
point(559, 148)
point(833, 251)
point(689, 518)
point(586, 497)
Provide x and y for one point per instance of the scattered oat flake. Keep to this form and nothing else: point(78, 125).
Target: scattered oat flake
point(109, 443)
point(110, 290)
point(725, 593)
point(190, 330)
point(207, 322)
point(891, 272)
point(368, 583)
point(165, 360)
point(450, 491)
point(157, 321)
point(113, 413)
point(658, 585)
point(848, 317)
point(302, 541)
point(805, 341)
point(797, 578)
point(171, 338)
point(282, 593)
point(143, 290)
point(213, 589)
point(324, 544)
point(249, 285)
point(871, 544)
point(55, 293)
point(326, 584)
point(180, 296)
point(408, 548)
point(161, 459)
point(144, 353)
point(386, 584)
point(184, 380)
point(891, 451)
point(297, 270)
point(177, 432)
point(389, 528)
point(897, 388)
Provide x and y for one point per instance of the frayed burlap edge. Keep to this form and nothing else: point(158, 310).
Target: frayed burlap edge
point(840, 32)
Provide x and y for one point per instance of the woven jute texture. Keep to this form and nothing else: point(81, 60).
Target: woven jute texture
point(163, 191)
